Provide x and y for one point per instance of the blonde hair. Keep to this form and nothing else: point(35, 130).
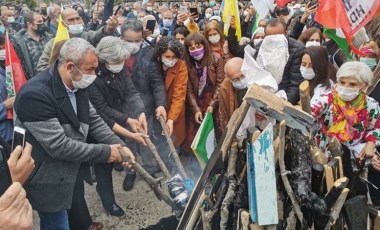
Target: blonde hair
point(213, 25)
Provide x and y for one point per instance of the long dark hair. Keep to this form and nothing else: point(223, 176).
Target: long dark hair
point(197, 38)
point(323, 70)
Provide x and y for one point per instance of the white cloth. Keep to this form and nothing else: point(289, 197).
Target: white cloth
point(320, 90)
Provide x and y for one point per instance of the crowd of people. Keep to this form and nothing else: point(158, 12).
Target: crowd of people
point(106, 88)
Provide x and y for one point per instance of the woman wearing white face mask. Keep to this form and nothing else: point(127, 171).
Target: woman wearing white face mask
point(119, 104)
point(316, 69)
point(174, 71)
point(217, 43)
point(348, 114)
point(312, 37)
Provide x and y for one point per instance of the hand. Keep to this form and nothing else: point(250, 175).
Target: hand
point(226, 50)
point(368, 150)
point(181, 17)
point(112, 24)
point(376, 163)
point(146, 33)
point(232, 22)
point(310, 9)
point(21, 163)
point(169, 126)
point(158, 39)
point(161, 111)
point(128, 152)
point(143, 122)
point(115, 155)
point(9, 102)
point(15, 210)
point(95, 16)
point(139, 138)
point(210, 109)
point(198, 117)
point(134, 124)
point(192, 17)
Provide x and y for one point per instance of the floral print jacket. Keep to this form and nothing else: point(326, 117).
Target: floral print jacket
point(368, 128)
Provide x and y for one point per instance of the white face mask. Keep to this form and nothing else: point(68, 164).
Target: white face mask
point(133, 47)
point(169, 63)
point(307, 73)
point(347, 94)
point(118, 29)
point(11, 19)
point(84, 82)
point(2, 55)
point(149, 8)
point(208, 16)
point(75, 30)
point(257, 41)
point(245, 13)
point(214, 39)
point(115, 68)
point(312, 43)
point(242, 84)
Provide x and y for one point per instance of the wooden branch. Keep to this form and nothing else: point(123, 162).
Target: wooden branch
point(283, 171)
point(173, 151)
point(318, 155)
point(335, 147)
point(207, 217)
point(337, 208)
point(305, 96)
point(231, 167)
point(156, 155)
point(270, 105)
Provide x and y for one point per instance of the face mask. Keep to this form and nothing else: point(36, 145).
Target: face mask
point(307, 73)
point(245, 13)
point(132, 47)
point(216, 12)
point(135, 13)
point(149, 8)
point(302, 9)
point(140, 19)
point(76, 30)
point(2, 29)
point(257, 41)
point(2, 55)
point(370, 62)
point(197, 54)
point(118, 29)
point(214, 39)
point(116, 68)
point(167, 22)
point(169, 63)
point(312, 43)
point(242, 84)
point(43, 11)
point(11, 20)
point(126, 8)
point(41, 28)
point(347, 94)
point(160, 16)
point(84, 82)
point(208, 16)
point(212, 4)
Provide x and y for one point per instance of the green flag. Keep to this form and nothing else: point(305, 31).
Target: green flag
point(339, 38)
point(204, 142)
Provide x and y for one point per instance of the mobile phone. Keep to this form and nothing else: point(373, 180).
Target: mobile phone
point(6, 178)
point(165, 32)
point(18, 137)
point(193, 11)
point(118, 8)
point(150, 25)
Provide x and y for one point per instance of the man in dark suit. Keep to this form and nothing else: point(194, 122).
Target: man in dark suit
point(56, 112)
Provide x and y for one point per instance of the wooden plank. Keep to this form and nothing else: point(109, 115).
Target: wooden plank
point(270, 105)
point(318, 155)
point(340, 166)
point(251, 178)
point(262, 154)
point(243, 220)
point(329, 177)
point(335, 210)
point(305, 96)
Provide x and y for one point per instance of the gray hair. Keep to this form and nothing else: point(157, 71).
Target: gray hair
point(133, 25)
point(112, 50)
point(137, 4)
point(358, 70)
point(50, 10)
point(75, 50)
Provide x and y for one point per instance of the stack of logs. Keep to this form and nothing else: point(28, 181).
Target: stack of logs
point(311, 192)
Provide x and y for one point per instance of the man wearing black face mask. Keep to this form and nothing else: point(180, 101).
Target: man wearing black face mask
point(29, 42)
point(44, 11)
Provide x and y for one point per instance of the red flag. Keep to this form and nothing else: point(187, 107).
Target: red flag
point(350, 16)
point(15, 76)
point(282, 3)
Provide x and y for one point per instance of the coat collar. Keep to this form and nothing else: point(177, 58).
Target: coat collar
point(60, 93)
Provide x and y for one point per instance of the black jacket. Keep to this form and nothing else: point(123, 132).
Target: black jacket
point(115, 97)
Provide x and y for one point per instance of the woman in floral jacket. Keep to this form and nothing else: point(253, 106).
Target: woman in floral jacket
point(348, 114)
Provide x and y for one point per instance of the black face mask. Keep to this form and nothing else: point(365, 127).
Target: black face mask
point(81, 13)
point(43, 11)
point(41, 28)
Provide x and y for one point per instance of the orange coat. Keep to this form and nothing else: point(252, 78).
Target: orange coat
point(176, 86)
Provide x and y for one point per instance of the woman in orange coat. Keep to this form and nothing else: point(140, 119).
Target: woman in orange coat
point(169, 52)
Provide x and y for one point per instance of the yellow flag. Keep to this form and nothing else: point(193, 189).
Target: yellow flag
point(230, 8)
point(62, 32)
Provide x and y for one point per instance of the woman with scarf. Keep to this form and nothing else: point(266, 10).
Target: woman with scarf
point(349, 115)
point(206, 73)
point(214, 35)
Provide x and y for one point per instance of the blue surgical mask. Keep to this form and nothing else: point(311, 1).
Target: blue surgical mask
point(167, 22)
point(302, 9)
point(2, 29)
point(370, 62)
point(216, 12)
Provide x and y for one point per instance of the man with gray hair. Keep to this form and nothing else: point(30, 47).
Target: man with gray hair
point(53, 12)
point(58, 117)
